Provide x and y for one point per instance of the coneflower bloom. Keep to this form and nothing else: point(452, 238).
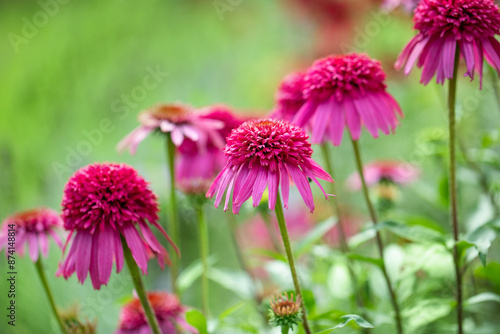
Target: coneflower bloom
point(179, 120)
point(168, 310)
point(289, 97)
point(267, 153)
point(346, 91)
point(385, 171)
point(444, 25)
point(194, 163)
point(101, 204)
point(32, 228)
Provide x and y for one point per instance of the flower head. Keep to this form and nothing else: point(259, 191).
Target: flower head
point(167, 308)
point(285, 311)
point(266, 153)
point(444, 25)
point(199, 166)
point(385, 171)
point(346, 91)
point(179, 120)
point(32, 228)
point(289, 97)
point(104, 204)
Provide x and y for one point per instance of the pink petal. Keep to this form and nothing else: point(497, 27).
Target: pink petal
point(273, 179)
point(133, 139)
point(44, 243)
point(177, 136)
point(285, 183)
point(259, 186)
point(105, 253)
point(321, 120)
point(82, 254)
point(353, 119)
point(136, 246)
point(302, 184)
point(337, 122)
point(305, 113)
point(32, 246)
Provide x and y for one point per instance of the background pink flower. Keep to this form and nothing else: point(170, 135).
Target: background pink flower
point(393, 171)
point(33, 227)
point(102, 204)
point(289, 97)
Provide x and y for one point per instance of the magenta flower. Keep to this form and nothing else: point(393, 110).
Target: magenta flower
point(32, 228)
point(391, 171)
point(179, 120)
point(266, 153)
point(101, 204)
point(289, 97)
point(346, 91)
point(168, 310)
point(195, 165)
point(445, 24)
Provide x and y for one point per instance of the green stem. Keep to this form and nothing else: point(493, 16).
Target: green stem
point(453, 187)
point(344, 246)
point(139, 288)
point(41, 274)
point(173, 222)
point(378, 237)
point(291, 261)
point(270, 229)
point(203, 239)
point(284, 329)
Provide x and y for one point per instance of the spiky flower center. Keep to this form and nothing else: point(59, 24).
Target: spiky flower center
point(266, 143)
point(350, 75)
point(461, 18)
point(175, 113)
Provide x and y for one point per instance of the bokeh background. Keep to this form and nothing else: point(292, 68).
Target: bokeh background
point(73, 81)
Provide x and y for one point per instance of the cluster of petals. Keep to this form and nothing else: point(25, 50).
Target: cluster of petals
point(266, 153)
point(339, 92)
point(397, 172)
point(32, 228)
point(167, 308)
point(445, 25)
point(103, 206)
point(180, 121)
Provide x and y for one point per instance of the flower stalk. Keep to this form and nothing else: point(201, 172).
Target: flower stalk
point(173, 217)
point(139, 288)
point(378, 237)
point(43, 279)
point(453, 187)
point(291, 261)
point(203, 241)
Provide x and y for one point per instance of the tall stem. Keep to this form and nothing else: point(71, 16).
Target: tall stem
point(139, 288)
point(291, 261)
point(453, 186)
point(41, 274)
point(378, 237)
point(285, 329)
point(203, 238)
point(344, 246)
point(172, 209)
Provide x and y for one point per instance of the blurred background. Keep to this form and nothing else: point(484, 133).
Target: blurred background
point(75, 74)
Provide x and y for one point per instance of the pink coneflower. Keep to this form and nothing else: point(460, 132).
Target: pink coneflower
point(168, 310)
point(390, 171)
point(289, 97)
point(101, 204)
point(179, 120)
point(444, 24)
point(267, 153)
point(346, 91)
point(193, 163)
point(32, 228)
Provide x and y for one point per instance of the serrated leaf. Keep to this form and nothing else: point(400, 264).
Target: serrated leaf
point(314, 235)
point(346, 319)
point(196, 319)
point(359, 257)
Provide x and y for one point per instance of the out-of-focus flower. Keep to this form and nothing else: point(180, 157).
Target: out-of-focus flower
point(195, 165)
point(178, 120)
point(444, 25)
point(385, 171)
point(408, 5)
point(168, 310)
point(289, 97)
point(103, 205)
point(32, 228)
point(285, 311)
point(346, 91)
point(351, 223)
point(267, 153)
point(73, 323)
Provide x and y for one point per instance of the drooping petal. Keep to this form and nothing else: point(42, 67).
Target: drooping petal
point(82, 254)
point(105, 253)
point(273, 179)
point(302, 184)
point(259, 186)
point(136, 246)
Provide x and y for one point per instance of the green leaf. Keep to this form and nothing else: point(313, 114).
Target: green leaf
point(192, 272)
point(346, 319)
point(231, 310)
point(237, 281)
point(462, 246)
point(196, 319)
point(490, 273)
point(417, 233)
point(314, 236)
point(482, 238)
point(361, 237)
point(268, 253)
point(483, 297)
point(359, 257)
